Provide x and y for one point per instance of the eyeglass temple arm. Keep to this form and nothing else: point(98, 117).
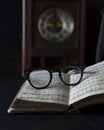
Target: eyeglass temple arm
point(25, 74)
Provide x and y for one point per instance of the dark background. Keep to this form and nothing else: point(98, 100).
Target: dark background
point(10, 71)
point(11, 34)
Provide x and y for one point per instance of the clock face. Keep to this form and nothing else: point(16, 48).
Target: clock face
point(55, 25)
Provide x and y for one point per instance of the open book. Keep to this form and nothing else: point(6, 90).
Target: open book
point(58, 97)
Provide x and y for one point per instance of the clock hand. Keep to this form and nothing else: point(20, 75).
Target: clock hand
point(55, 20)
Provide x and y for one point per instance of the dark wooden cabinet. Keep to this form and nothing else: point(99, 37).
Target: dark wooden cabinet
point(55, 46)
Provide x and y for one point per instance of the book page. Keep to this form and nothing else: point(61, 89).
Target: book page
point(56, 92)
point(91, 84)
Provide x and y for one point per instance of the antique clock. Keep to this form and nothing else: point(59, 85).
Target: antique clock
point(55, 25)
point(53, 33)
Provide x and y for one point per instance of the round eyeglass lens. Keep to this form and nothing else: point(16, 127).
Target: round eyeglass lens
point(71, 75)
point(39, 78)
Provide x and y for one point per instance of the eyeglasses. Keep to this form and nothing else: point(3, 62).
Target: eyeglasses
point(41, 78)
